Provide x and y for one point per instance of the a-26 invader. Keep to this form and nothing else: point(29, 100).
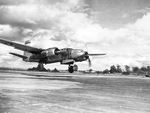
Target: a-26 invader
point(67, 56)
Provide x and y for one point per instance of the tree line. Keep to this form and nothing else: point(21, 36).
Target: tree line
point(127, 70)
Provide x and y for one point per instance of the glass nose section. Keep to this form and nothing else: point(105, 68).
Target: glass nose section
point(79, 52)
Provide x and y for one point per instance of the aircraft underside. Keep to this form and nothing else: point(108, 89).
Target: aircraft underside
point(40, 67)
point(53, 59)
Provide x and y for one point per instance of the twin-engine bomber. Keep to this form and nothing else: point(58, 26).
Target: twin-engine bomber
point(67, 56)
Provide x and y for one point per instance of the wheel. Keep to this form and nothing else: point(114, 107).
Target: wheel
point(75, 68)
point(70, 69)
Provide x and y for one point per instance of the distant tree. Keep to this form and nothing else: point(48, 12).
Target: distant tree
point(143, 69)
point(55, 70)
point(119, 70)
point(98, 72)
point(106, 71)
point(148, 70)
point(135, 69)
point(113, 69)
point(90, 70)
point(127, 68)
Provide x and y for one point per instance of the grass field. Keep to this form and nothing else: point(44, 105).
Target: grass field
point(63, 93)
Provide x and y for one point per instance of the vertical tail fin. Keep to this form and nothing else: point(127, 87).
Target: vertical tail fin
point(27, 54)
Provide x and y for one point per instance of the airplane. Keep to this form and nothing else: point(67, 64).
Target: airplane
point(66, 56)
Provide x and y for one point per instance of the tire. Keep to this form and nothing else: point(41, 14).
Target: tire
point(70, 69)
point(75, 68)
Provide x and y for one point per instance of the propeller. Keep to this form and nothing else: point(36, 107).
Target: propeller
point(87, 55)
point(89, 61)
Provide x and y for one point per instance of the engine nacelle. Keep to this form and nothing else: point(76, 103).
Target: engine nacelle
point(50, 52)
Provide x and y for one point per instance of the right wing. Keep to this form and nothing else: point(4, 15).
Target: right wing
point(20, 46)
point(96, 54)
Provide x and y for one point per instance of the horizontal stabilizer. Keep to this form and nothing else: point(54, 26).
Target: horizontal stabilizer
point(18, 55)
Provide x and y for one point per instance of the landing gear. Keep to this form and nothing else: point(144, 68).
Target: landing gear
point(40, 67)
point(75, 67)
point(72, 68)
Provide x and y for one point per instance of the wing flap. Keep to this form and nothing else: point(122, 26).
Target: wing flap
point(20, 46)
point(68, 61)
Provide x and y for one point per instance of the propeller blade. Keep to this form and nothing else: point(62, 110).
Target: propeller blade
point(89, 61)
point(96, 54)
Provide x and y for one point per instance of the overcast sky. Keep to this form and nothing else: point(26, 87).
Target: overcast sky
point(119, 28)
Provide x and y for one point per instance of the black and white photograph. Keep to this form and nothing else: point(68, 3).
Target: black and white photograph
point(74, 56)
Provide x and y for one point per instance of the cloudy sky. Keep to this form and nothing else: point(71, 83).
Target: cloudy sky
point(119, 28)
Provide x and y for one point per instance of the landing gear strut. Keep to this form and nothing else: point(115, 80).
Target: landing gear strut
point(40, 67)
point(72, 68)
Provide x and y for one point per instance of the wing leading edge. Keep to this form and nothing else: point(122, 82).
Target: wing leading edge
point(20, 46)
point(96, 54)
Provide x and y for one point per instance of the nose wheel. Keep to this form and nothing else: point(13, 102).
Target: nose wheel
point(72, 68)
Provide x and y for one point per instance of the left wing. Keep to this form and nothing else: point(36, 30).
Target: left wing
point(20, 46)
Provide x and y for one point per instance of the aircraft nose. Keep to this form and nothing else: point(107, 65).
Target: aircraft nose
point(86, 55)
point(80, 53)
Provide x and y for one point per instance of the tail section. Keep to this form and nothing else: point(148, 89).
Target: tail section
point(27, 54)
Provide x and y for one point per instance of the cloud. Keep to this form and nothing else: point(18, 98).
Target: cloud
point(20, 2)
point(13, 33)
point(34, 14)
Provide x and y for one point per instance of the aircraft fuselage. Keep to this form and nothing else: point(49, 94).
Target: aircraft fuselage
point(76, 55)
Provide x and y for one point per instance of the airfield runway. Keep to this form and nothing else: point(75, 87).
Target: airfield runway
point(62, 93)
